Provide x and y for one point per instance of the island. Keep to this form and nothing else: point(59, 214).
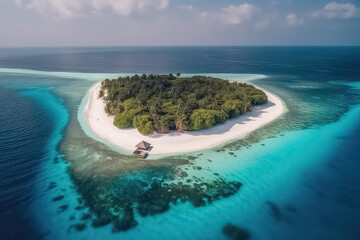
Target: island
point(162, 103)
point(176, 114)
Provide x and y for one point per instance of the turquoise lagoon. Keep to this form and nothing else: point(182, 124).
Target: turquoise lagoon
point(298, 174)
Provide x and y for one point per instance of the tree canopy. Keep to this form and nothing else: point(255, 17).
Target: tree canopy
point(160, 103)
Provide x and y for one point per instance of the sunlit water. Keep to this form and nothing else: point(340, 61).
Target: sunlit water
point(299, 173)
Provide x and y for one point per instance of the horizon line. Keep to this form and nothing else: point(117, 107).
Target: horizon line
point(164, 46)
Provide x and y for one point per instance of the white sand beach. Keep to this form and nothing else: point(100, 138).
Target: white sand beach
point(176, 142)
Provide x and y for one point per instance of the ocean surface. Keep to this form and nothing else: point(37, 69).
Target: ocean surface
point(295, 178)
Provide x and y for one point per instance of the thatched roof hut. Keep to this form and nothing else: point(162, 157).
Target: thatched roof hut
point(143, 145)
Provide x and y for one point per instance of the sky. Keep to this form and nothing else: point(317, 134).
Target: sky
point(26, 23)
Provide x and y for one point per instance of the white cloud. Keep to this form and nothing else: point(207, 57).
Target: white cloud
point(58, 8)
point(81, 8)
point(186, 7)
point(234, 14)
point(238, 14)
point(337, 10)
point(293, 20)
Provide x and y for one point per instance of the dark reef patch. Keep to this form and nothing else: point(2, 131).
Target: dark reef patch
point(281, 213)
point(57, 159)
point(235, 233)
point(80, 201)
point(275, 210)
point(80, 208)
point(51, 186)
point(63, 208)
point(80, 227)
point(58, 198)
point(101, 221)
point(125, 219)
point(183, 174)
point(85, 216)
point(148, 192)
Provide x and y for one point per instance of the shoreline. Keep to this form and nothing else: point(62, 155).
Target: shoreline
point(176, 142)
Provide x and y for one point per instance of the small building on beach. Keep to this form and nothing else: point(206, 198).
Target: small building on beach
point(140, 153)
point(143, 145)
point(141, 148)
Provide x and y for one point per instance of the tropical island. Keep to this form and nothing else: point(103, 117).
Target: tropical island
point(176, 114)
point(162, 103)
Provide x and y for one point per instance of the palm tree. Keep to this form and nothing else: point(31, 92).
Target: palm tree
point(154, 111)
point(154, 107)
point(223, 113)
point(142, 96)
point(180, 123)
point(181, 117)
point(161, 126)
point(246, 104)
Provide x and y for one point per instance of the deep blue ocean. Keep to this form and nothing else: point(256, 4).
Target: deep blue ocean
point(299, 174)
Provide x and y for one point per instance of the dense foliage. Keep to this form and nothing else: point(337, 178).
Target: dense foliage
point(160, 103)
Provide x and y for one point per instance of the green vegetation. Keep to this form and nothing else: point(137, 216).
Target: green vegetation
point(160, 103)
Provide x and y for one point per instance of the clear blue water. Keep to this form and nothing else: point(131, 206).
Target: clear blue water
point(20, 156)
point(299, 174)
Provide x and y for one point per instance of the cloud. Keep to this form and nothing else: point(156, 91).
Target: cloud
point(238, 14)
point(337, 10)
point(234, 14)
point(57, 8)
point(292, 20)
point(185, 7)
point(82, 8)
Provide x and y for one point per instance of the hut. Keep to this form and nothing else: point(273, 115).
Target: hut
point(140, 153)
point(143, 145)
point(141, 148)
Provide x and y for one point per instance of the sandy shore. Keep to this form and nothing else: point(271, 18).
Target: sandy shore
point(176, 142)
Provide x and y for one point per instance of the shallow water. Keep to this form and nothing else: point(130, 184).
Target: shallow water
point(298, 174)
